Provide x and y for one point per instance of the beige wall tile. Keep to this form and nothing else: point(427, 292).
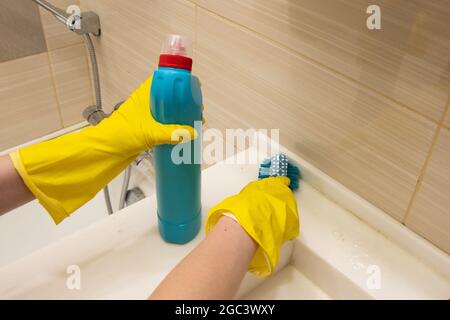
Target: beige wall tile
point(447, 120)
point(430, 212)
point(56, 34)
point(365, 141)
point(72, 80)
point(407, 60)
point(28, 107)
point(21, 32)
point(131, 40)
point(329, 84)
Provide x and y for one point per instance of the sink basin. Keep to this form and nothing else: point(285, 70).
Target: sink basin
point(337, 255)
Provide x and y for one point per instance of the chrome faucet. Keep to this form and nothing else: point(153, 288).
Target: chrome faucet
point(85, 24)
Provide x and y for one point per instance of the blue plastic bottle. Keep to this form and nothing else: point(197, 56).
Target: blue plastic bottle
point(176, 98)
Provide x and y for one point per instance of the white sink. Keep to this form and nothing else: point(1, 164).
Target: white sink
point(123, 256)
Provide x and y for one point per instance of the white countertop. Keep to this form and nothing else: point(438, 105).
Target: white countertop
point(123, 256)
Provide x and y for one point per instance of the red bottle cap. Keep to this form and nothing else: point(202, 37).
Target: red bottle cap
point(175, 61)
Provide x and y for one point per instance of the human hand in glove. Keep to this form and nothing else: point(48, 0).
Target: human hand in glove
point(66, 172)
point(266, 209)
point(244, 232)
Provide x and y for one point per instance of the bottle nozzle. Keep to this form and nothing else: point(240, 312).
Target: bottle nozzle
point(177, 45)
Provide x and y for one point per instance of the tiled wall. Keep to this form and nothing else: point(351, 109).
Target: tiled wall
point(370, 108)
point(132, 34)
point(44, 73)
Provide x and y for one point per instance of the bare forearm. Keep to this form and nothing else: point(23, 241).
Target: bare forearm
point(213, 270)
point(13, 192)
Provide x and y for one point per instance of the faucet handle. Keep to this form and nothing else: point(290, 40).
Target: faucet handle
point(94, 115)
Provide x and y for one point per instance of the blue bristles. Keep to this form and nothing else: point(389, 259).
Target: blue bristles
point(278, 165)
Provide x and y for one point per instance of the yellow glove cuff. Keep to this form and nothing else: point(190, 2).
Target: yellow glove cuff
point(56, 210)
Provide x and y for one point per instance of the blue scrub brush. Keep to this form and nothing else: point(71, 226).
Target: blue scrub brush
point(278, 165)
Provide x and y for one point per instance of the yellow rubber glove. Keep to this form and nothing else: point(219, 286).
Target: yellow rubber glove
point(66, 172)
point(267, 210)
